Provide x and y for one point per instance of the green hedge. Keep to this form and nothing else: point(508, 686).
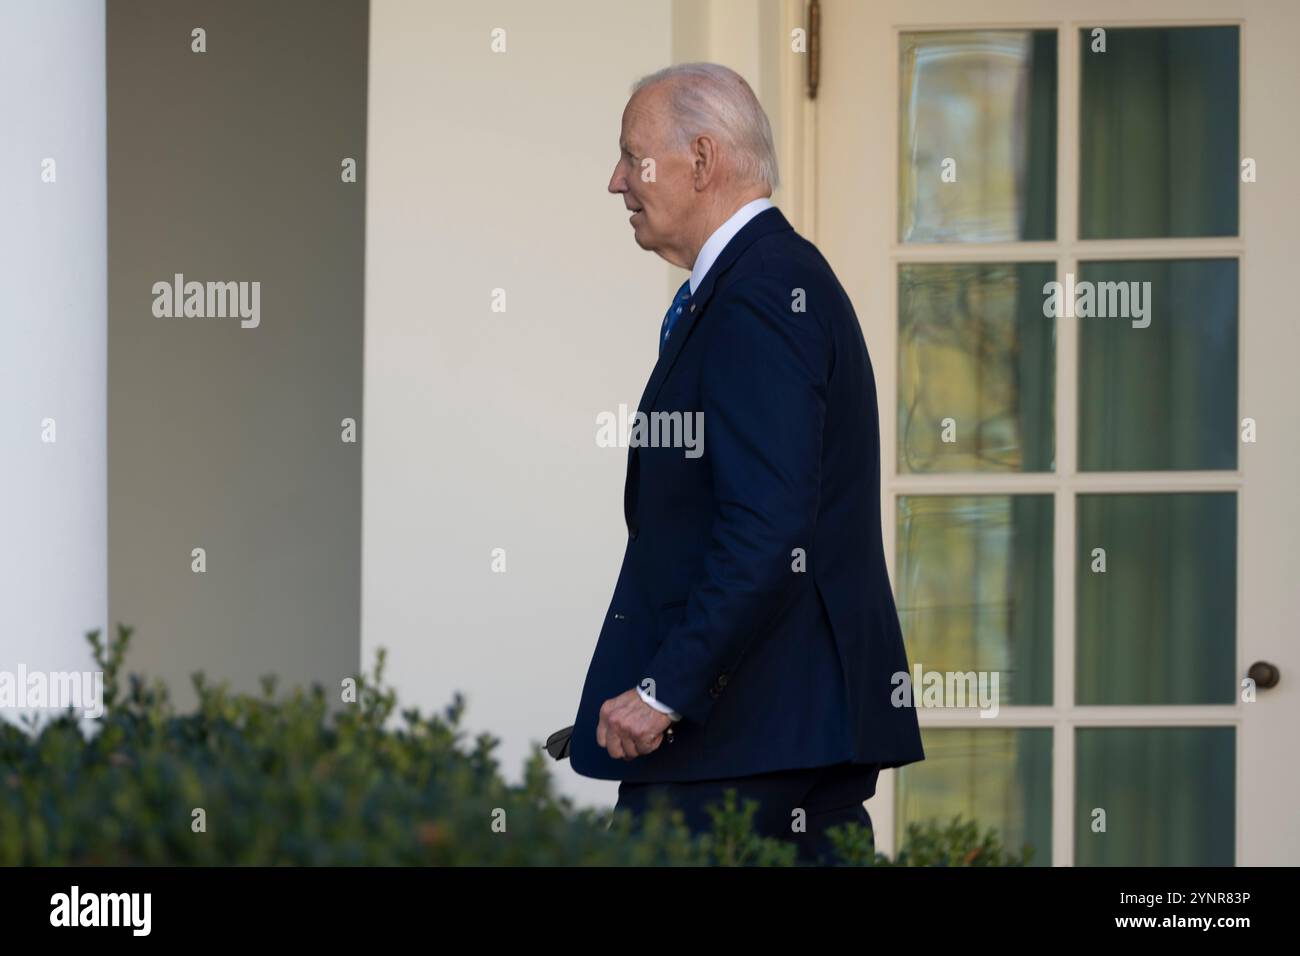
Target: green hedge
point(290, 780)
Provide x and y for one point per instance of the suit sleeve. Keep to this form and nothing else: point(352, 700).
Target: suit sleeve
point(763, 394)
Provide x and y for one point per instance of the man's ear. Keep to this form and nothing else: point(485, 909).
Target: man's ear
point(704, 160)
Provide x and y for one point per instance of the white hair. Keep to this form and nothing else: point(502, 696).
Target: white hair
point(711, 98)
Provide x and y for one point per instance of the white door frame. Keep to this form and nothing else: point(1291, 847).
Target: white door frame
point(854, 220)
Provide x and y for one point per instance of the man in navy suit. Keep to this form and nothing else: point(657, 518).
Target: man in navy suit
point(752, 642)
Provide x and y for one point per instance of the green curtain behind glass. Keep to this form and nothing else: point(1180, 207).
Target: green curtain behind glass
point(1158, 133)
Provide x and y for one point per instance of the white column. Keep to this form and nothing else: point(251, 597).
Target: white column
point(53, 334)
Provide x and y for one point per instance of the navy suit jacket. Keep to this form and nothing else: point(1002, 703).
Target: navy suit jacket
point(754, 592)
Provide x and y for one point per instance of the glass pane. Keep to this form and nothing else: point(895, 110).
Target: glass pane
point(1001, 779)
point(1168, 794)
point(976, 368)
point(986, 101)
point(1161, 395)
point(1158, 626)
point(975, 589)
point(1158, 120)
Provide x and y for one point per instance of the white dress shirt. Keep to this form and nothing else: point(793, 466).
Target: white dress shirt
point(708, 255)
point(714, 245)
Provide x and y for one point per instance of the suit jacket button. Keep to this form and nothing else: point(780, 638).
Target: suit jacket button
point(722, 680)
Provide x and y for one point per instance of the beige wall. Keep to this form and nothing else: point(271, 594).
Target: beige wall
point(489, 171)
point(225, 166)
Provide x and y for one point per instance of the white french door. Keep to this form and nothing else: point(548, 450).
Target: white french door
point(1099, 505)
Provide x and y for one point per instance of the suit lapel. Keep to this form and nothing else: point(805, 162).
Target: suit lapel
point(766, 222)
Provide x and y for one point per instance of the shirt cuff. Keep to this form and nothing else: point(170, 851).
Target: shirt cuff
point(657, 705)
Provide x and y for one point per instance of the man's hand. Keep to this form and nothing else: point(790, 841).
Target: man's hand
point(629, 727)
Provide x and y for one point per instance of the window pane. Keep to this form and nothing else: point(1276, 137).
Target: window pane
point(974, 347)
point(1158, 133)
point(1158, 626)
point(987, 101)
point(975, 588)
point(998, 778)
point(1163, 396)
point(1168, 794)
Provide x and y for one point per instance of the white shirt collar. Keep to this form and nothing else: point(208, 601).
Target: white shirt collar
point(714, 245)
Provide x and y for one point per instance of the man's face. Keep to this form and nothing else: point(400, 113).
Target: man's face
point(658, 195)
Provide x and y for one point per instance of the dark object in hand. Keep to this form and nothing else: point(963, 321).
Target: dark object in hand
point(557, 745)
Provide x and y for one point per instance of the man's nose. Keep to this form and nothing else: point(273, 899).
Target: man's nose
point(617, 182)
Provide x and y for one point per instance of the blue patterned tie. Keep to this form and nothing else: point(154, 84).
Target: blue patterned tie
point(674, 312)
